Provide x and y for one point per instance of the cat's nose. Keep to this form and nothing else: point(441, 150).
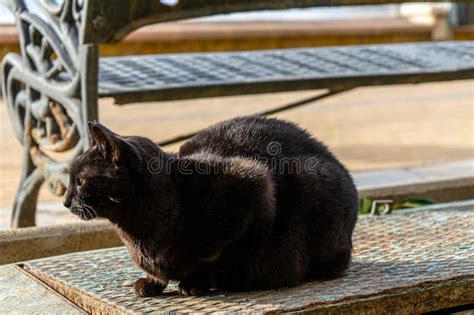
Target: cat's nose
point(67, 202)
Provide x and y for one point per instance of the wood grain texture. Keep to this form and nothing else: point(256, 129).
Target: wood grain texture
point(22, 294)
point(29, 243)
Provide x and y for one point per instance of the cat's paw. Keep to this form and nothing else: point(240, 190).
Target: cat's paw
point(128, 283)
point(145, 287)
point(192, 288)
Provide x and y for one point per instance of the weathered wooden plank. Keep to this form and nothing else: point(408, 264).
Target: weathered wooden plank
point(442, 182)
point(28, 243)
point(412, 261)
point(22, 294)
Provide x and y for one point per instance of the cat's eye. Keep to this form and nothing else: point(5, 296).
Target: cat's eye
point(81, 181)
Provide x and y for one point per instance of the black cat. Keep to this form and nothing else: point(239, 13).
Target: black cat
point(247, 204)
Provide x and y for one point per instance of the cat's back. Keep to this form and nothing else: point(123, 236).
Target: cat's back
point(254, 136)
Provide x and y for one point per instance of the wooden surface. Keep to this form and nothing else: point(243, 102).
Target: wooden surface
point(195, 30)
point(397, 268)
point(27, 243)
point(232, 36)
point(204, 37)
point(22, 294)
point(442, 182)
point(368, 129)
point(411, 261)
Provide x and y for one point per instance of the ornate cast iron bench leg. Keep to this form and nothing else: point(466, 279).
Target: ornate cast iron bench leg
point(51, 93)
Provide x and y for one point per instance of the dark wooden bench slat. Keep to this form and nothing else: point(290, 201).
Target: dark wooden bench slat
point(185, 76)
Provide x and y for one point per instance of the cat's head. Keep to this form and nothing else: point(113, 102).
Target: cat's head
point(99, 178)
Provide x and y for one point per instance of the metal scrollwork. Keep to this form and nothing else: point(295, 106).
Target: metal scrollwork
point(46, 96)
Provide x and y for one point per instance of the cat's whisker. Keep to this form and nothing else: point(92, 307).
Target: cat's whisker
point(91, 211)
point(78, 232)
point(87, 212)
point(116, 200)
point(95, 213)
point(92, 214)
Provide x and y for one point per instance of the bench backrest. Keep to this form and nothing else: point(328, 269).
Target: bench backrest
point(110, 21)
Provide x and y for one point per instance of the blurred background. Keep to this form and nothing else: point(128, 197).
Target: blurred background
point(376, 128)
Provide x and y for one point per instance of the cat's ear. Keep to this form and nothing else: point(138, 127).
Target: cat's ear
point(108, 143)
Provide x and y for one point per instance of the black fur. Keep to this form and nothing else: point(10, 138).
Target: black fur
point(249, 203)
